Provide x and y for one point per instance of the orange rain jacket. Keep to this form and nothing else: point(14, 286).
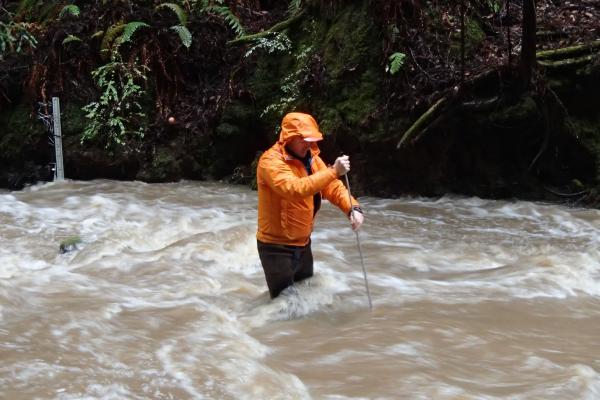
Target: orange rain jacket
point(285, 190)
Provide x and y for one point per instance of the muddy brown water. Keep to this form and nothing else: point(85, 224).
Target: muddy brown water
point(165, 299)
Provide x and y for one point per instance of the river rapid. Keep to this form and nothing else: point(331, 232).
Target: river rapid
point(165, 299)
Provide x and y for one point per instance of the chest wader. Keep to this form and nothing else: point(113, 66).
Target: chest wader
point(283, 265)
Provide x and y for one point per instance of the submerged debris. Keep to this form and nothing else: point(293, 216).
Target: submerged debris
point(70, 244)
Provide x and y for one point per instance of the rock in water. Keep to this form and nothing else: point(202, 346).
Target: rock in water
point(70, 244)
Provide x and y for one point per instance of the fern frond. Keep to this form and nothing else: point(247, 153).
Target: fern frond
point(294, 6)
point(69, 9)
point(180, 12)
point(230, 18)
point(110, 35)
point(70, 38)
point(129, 30)
point(184, 34)
point(396, 62)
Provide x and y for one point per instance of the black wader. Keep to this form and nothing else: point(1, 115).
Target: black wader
point(283, 265)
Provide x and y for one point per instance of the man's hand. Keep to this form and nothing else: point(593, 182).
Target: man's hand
point(342, 165)
point(356, 218)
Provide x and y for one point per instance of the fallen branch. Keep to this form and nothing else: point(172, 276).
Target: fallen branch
point(432, 117)
point(569, 52)
point(554, 192)
point(569, 62)
point(422, 121)
point(275, 28)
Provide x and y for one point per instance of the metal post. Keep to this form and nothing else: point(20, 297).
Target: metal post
point(59, 172)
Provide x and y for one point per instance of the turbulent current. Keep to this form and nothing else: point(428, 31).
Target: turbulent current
point(164, 298)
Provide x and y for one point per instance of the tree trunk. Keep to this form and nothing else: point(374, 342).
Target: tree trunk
point(528, 41)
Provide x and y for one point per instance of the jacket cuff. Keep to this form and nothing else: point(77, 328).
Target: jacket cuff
point(355, 208)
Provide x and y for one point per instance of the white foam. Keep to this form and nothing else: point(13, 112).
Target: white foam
point(174, 370)
point(153, 253)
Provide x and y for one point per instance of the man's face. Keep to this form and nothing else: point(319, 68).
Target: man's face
point(299, 146)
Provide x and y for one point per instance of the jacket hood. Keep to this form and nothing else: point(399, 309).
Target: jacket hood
point(299, 124)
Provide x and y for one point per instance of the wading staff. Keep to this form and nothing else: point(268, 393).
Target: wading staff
point(362, 261)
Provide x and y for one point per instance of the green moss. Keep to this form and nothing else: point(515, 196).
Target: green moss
point(525, 109)
point(253, 167)
point(164, 166)
point(265, 84)
point(474, 36)
point(348, 41)
point(164, 162)
point(73, 120)
point(357, 101)
point(559, 85)
point(234, 142)
point(330, 120)
point(588, 131)
point(226, 129)
point(20, 131)
point(69, 244)
point(235, 116)
point(386, 128)
point(475, 33)
point(350, 55)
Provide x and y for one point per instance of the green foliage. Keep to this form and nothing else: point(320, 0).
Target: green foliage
point(15, 37)
point(109, 37)
point(71, 9)
point(396, 63)
point(292, 83)
point(19, 133)
point(278, 43)
point(129, 30)
point(294, 6)
point(119, 34)
point(117, 116)
point(218, 7)
point(474, 36)
point(229, 17)
point(184, 34)
point(42, 11)
point(26, 6)
point(70, 38)
point(179, 12)
point(494, 5)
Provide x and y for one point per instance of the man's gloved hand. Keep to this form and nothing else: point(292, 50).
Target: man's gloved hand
point(356, 218)
point(341, 165)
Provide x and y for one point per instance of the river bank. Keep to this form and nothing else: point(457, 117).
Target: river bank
point(211, 108)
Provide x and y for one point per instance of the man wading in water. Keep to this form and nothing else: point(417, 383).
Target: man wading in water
point(291, 179)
